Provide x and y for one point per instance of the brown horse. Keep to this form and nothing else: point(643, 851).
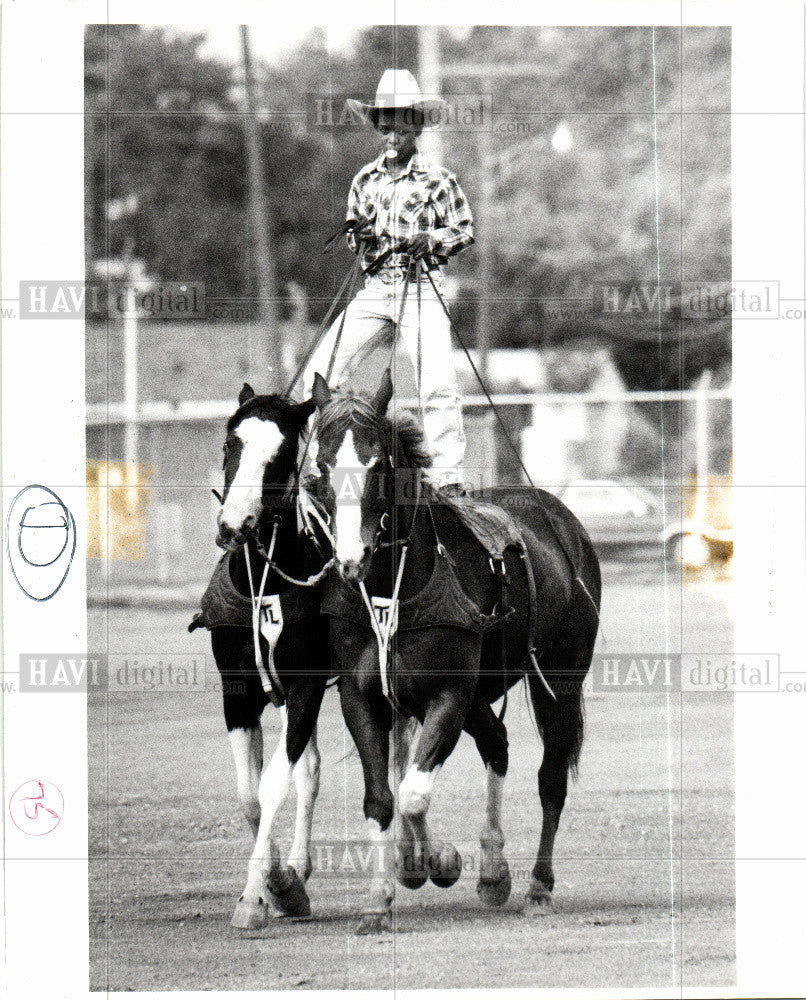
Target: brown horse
point(443, 670)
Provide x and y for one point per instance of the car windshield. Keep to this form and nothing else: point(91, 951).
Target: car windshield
point(605, 500)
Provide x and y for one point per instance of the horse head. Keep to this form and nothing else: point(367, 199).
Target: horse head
point(368, 464)
point(260, 459)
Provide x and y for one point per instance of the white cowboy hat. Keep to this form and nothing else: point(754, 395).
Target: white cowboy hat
point(397, 89)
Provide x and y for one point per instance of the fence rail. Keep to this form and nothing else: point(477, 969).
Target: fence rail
point(150, 477)
point(104, 414)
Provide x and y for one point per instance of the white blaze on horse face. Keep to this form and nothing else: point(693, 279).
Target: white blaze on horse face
point(261, 442)
point(349, 479)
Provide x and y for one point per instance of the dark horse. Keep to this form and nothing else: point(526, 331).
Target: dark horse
point(258, 519)
point(440, 672)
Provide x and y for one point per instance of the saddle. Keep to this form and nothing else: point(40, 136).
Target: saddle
point(492, 526)
point(496, 530)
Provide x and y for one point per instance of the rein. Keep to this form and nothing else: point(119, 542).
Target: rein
point(507, 437)
point(305, 507)
point(270, 680)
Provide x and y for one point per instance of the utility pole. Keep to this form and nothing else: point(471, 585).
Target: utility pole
point(266, 348)
point(135, 278)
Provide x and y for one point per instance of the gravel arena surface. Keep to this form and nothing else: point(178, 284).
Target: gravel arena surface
point(644, 856)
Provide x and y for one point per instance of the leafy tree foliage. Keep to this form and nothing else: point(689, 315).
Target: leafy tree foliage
point(640, 190)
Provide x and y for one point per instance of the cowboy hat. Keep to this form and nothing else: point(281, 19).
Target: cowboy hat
point(397, 89)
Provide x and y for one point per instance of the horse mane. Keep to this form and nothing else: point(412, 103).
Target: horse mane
point(411, 437)
point(346, 408)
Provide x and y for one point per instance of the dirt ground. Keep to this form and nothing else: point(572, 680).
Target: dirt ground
point(644, 860)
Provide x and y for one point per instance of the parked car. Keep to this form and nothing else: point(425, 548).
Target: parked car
point(619, 516)
point(695, 544)
point(616, 515)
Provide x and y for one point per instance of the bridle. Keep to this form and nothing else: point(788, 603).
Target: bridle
point(383, 524)
point(308, 510)
point(383, 611)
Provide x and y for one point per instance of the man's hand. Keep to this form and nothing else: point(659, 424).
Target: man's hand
point(419, 246)
point(364, 233)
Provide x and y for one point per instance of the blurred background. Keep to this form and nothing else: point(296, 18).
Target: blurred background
point(597, 163)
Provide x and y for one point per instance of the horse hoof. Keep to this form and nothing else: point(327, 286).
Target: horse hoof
point(542, 907)
point(410, 872)
point(445, 866)
point(495, 892)
point(288, 895)
point(374, 923)
point(538, 902)
point(249, 916)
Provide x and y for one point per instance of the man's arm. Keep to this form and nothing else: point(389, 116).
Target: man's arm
point(362, 225)
point(453, 211)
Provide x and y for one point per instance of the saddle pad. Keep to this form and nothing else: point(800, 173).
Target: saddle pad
point(490, 524)
point(222, 604)
point(441, 602)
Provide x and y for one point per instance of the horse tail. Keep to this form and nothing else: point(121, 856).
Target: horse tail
point(560, 722)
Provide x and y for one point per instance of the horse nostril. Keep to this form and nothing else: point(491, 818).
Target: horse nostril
point(249, 523)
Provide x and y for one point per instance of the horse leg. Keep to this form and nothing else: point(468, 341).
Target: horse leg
point(553, 779)
point(489, 732)
point(442, 727)
point(287, 886)
point(247, 750)
point(553, 786)
point(369, 727)
point(289, 896)
point(243, 703)
point(306, 779)
point(408, 875)
point(562, 739)
point(251, 910)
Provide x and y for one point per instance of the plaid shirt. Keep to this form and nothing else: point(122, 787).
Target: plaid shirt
point(423, 198)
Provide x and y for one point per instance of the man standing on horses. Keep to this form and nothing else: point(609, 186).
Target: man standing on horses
point(403, 209)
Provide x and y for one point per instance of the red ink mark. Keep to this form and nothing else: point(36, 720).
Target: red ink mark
point(36, 807)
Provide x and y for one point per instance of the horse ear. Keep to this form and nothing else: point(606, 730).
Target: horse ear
point(305, 409)
point(384, 393)
point(247, 393)
point(321, 392)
